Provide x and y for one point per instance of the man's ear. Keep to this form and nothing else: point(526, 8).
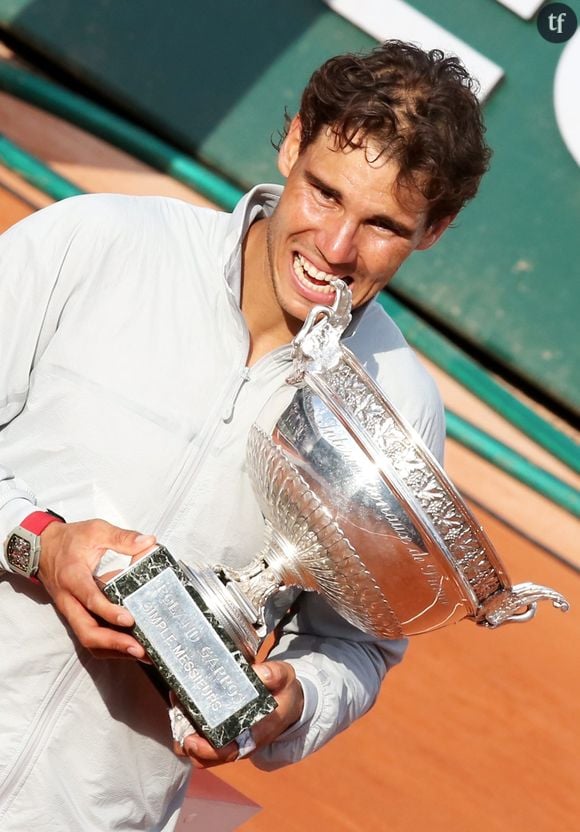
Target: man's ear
point(434, 232)
point(290, 147)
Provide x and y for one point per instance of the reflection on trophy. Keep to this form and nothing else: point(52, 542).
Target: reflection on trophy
point(356, 509)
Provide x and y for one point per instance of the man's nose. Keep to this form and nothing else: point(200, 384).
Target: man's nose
point(337, 242)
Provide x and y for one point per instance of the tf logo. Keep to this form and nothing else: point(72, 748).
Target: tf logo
point(557, 22)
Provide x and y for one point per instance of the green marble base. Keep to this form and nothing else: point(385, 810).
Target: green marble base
point(189, 647)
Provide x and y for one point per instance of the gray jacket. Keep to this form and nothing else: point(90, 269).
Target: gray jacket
point(124, 394)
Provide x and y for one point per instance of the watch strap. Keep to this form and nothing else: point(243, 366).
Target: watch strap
point(39, 520)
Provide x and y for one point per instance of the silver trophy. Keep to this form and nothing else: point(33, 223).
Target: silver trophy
point(359, 510)
point(356, 509)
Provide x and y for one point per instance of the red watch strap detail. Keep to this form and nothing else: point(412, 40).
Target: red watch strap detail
point(38, 521)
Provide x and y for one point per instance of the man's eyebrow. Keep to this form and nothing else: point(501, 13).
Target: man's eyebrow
point(322, 186)
point(384, 220)
point(394, 225)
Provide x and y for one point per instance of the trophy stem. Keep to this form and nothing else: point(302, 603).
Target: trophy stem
point(283, 558)
point(235, 610)
point(276, 567)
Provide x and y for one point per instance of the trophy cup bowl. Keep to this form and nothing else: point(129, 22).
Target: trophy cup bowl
point(359, 510)
point(356, 508)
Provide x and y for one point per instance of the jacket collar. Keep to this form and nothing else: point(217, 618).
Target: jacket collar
point(260, 202)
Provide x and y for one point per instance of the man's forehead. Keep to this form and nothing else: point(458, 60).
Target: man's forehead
point(366, 151)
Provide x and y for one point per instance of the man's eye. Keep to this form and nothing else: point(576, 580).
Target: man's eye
point(326, 195)
point(383, 226)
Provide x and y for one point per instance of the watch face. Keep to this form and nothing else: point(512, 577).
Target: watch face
point(18, 553)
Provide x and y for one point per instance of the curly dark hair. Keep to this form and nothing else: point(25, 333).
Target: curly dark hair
point(418, 108)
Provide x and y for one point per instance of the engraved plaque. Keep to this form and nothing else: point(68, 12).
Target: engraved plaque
point(189, 647)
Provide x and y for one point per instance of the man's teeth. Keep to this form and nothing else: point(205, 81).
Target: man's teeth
point(304, 269)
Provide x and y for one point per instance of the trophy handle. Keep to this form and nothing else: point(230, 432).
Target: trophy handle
point(506, 607)
point(317, 345)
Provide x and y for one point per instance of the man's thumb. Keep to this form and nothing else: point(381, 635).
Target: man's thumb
point(130, 542)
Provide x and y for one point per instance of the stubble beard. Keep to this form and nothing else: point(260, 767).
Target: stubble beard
point(293, 323)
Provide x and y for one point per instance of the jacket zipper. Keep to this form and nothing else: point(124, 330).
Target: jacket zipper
point(58, 695)
point(249, 375)
point(222, 413)
point(40, 729)
point(244, 377)
point(197, 455)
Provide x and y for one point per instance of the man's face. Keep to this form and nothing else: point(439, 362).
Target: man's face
point(339, 216)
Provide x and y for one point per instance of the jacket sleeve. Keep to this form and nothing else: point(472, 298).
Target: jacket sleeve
point(339, 667)
point(32, 254)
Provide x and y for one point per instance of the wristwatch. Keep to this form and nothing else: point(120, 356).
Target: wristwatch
point(22, 546)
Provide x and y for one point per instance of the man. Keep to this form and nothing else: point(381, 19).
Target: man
point(140, 338)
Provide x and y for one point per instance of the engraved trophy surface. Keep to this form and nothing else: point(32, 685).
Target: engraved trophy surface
point(356, 509)
point(359, 510)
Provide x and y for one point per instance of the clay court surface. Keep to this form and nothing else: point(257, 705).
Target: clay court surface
point(477, 730)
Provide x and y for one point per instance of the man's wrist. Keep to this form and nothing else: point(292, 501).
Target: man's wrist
point(22, 547)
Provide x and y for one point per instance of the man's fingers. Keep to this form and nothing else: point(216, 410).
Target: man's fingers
point(69, 555)
point(275, 675)
point(79, 582)
point(129, 542)
point(97, 603)
point(204, 755)
point(280, 679)
point(94, 637)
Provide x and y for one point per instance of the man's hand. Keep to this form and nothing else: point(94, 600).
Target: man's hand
point(69, 554)
point(280, 679)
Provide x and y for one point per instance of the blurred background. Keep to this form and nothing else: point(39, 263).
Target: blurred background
point(476, 730)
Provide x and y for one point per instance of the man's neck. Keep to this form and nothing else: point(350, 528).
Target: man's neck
point(267, 324)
